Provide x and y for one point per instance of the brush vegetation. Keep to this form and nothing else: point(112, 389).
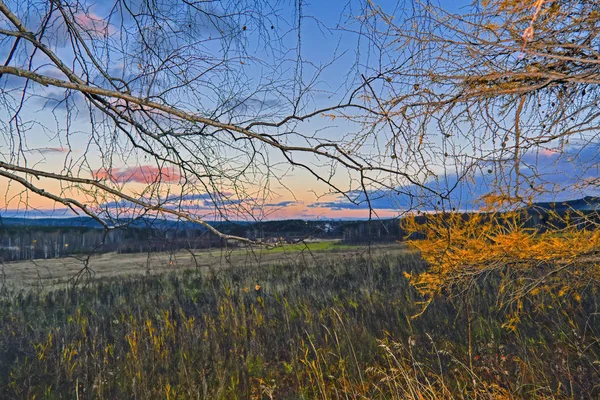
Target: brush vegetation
point(336, 330)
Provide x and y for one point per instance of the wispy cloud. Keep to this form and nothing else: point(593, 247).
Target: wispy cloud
point(191, 202)
point(141, 174)
point(389, 202)
point(286, 203)
point(48, 150)
point(94, 24)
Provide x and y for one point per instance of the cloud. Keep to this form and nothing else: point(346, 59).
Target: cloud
point(376, 199)
point(250, 106)
point(190, 197)
point(400, 199)
point(282, 204)
point(548, 152)
point(118, 205)
point(94, 24)
point(185, 202)
point(572, 172)
point(49, 150)
point(208, 199)
point(141, 174)
point(562, 175)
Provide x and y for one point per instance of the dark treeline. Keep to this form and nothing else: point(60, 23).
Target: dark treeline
point(22, 239)
point(287, 231)
point(373, 231)
point(31, 242)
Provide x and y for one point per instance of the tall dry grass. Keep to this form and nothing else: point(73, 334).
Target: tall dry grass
point(339, 330)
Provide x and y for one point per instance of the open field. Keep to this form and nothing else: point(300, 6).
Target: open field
point(48, 272)
point(326, 328)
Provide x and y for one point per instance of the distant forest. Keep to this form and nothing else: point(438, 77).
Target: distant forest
point(22, 238)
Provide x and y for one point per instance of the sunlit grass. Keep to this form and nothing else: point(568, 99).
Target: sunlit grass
point(310, 246)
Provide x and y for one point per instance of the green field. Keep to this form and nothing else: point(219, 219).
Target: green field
point(325, 245)
point(336, 329)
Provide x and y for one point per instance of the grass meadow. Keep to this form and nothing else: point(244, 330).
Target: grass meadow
point(342, 329)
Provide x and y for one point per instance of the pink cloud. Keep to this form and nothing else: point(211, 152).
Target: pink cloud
point(300, 210)
point(141, 174)
point(94, 24)
point(548, 152)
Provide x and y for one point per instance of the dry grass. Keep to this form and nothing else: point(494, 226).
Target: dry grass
point(50, 272)
point(337, 329)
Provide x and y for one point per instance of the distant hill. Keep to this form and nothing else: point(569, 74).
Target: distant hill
point(239, 228)
point(79, 222)
point(88, 222)
point(588, 203)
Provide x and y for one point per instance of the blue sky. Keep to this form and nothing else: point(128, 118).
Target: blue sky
point(334, 58)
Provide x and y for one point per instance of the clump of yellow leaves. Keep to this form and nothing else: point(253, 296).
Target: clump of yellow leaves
point(459, 247)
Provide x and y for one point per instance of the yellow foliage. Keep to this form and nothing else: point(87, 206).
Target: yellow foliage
point(458, 246)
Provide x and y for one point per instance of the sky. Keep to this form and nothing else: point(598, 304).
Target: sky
point(58, 136)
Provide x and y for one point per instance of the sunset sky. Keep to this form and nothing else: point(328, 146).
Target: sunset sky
point(47, 144)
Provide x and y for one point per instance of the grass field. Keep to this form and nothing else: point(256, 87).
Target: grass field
point(317, 328)
point(323, 245)
point(50, 272)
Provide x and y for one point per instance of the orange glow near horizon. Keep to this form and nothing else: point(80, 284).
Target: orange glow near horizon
point(16, 197)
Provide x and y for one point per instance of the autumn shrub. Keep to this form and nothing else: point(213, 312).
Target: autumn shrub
point(537, 253)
